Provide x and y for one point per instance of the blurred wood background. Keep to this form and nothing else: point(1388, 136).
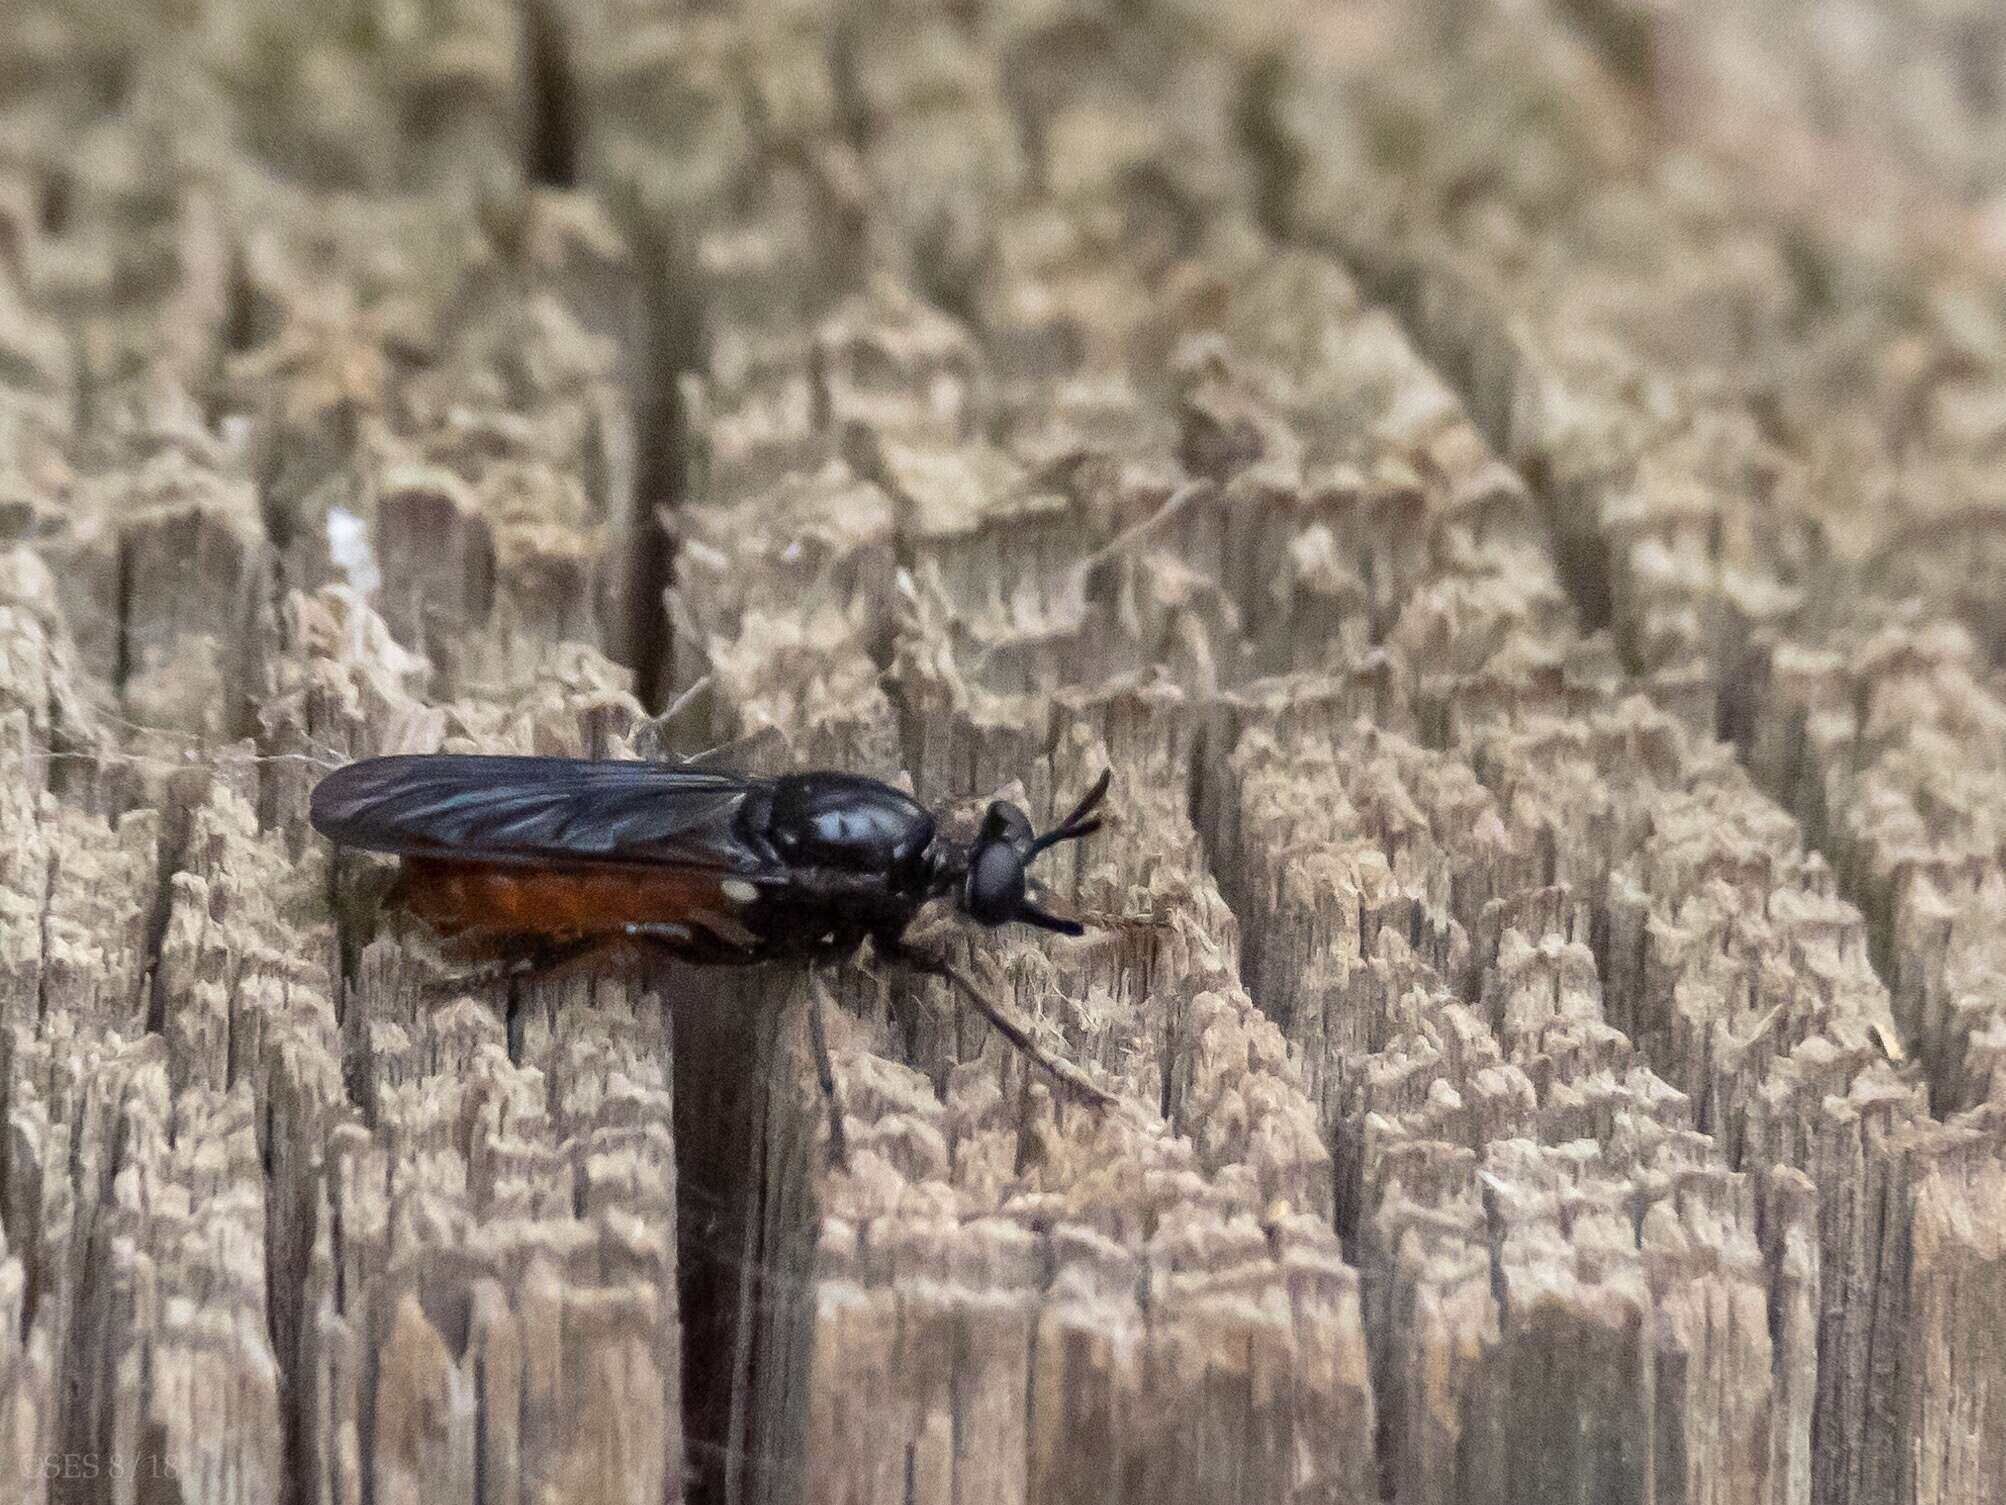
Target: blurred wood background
point(1515, 489)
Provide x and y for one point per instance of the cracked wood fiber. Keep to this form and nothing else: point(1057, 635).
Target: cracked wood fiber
point(1508, 489)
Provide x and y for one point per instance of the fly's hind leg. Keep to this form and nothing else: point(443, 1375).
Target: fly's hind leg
point(526, 961)
point(537, 960)
point(1064, 1072)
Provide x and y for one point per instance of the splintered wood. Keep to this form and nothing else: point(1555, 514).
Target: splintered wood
point(1507, 489)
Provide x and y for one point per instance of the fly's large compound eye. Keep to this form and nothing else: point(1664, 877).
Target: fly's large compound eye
point(995, 884)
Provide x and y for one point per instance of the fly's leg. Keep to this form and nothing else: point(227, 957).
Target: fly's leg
point(672, 941)
point(1068, 1076)
point(536, 962)
point(825, 1074)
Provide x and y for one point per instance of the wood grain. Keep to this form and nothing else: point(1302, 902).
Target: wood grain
point(1507, 489)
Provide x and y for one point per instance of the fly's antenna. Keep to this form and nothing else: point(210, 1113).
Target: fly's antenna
point(1080, 823)
point(1077, 824)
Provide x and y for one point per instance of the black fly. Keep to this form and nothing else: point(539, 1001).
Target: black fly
point(546, 861)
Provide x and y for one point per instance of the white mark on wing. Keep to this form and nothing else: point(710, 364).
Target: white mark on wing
point(738, 890)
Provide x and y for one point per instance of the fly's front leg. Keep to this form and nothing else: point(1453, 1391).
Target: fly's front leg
point(1068, 1076)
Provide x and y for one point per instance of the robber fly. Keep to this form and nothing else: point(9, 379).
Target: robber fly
point(547, 861)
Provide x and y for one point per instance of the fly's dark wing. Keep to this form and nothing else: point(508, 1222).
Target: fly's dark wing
point(501, 809)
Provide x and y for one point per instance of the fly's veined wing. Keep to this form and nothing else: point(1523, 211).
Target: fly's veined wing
point(506, 809)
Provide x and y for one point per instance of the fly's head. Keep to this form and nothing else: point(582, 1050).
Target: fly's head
point(990, 876)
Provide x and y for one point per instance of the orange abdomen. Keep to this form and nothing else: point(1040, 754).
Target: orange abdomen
point(559, 903)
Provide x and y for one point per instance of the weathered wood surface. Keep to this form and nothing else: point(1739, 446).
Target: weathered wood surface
point(1511, 491)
